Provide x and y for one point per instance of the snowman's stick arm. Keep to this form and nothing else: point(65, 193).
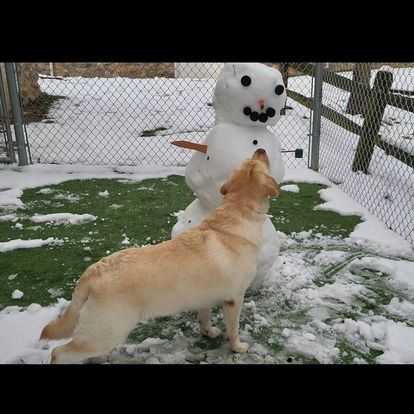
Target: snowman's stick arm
point(191, 145)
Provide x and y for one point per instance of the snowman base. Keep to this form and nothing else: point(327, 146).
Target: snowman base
point(267, 252)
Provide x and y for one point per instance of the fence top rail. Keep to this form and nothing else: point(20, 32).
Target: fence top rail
point(392, 98)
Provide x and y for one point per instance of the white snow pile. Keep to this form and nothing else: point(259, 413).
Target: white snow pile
point(293, 188)
point(46, 191)
point(28, 244)
point(20, 330)
point(63, 218)
point(17, 294)
point(104, 194)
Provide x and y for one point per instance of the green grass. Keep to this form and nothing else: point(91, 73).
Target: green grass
point(152, 132)
point(146, 215)
point(293, 212)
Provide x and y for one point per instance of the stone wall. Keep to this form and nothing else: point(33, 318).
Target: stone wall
point(109, 69)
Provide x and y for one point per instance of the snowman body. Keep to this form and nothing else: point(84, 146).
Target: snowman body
point(248, 97)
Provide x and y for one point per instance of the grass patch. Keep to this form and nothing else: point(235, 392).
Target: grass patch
point(152, 132)
point(145, 215)
point(38, 109)
point(294, 212)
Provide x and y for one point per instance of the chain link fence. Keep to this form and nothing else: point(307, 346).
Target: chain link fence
point(128, 114)
point(367, 139)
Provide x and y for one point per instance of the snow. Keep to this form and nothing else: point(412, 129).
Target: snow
point(399, 345)
point(403, 309)
point(46, 191)
point(104, 194)
point(17, 294)
point(293, 188)
point(125, 242)
point(20, 330)
point(63, 218)
point(401, 271)
point(27, 244)
point(55, 292)
point(371, 231)
point(8, 217)
point(305, 175)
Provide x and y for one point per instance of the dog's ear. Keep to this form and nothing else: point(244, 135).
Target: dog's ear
point(224, 188)
point(271, 187)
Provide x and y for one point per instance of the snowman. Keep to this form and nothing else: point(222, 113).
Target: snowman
point(247, 99)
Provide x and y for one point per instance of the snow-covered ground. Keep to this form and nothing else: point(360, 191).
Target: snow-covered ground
point(318, 320)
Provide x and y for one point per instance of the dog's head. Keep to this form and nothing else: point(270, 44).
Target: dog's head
point(252, 176)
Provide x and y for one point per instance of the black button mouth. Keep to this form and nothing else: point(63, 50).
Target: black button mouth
point(256, 116)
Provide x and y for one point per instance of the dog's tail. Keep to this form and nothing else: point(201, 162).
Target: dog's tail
point(66, 324)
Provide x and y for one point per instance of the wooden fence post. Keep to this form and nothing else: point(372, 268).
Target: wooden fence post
point(372, 123)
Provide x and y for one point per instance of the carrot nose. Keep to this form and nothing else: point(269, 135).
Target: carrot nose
point(261, 103)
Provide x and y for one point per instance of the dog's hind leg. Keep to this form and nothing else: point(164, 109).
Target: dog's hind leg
point(232, 310)
point(98, 332)
point(203, 317)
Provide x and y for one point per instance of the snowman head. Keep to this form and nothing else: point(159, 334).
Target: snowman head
point(249, 94)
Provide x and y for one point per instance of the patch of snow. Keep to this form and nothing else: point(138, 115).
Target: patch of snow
point(403, 309)
point(23, 328)
point(9, 217)
point(328, 257)
point(292, 188)
point(46, 191)
point(104, 194)
point(55, 292)
point(63, 218)
point(17, 294)
point(399, 344)
point(27, 244)
point(400, 271)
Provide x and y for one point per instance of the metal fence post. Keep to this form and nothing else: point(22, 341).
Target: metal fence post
point(6, 121)
point(17, 113)
point(316, 117)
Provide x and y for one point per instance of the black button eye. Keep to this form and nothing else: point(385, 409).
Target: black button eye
point(246, 80)
point(279, 89)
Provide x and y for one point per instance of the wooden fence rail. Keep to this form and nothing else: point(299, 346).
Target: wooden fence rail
point(380, 96)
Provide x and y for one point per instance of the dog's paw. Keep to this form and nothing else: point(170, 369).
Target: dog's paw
point(211, 333)
point(240, 347)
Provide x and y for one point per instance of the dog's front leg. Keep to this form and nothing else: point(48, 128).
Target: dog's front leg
point(232, 310)
point(206, 329)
